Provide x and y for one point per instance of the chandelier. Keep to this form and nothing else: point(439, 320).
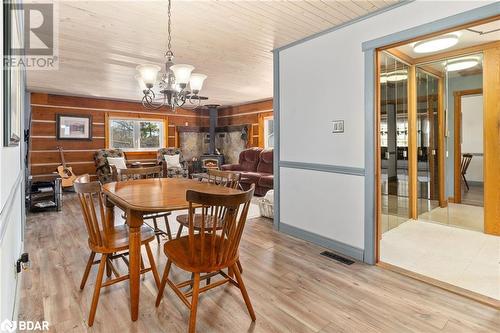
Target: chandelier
point(171, 85)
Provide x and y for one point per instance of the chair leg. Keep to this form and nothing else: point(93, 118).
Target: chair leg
point(153, 265)
point(194, 303)
point(465, 181)
point(163, 283)
point(108, 267)
point(179, 231)
point(167, 225)
point(243, 291)
point(239, 266)
point(97, 289)
point(87, 270)
point(155, 223)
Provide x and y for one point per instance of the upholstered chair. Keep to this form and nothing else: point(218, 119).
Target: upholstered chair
point(103, 170)
point(169, 170)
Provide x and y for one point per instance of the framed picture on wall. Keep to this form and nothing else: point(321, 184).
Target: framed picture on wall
point(70, 127)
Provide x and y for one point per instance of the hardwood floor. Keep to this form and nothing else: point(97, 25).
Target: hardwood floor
point(292, 288)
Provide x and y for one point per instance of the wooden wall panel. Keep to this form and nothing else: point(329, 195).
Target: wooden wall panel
point(44, 156)
point(248, 114)
point(491, 100)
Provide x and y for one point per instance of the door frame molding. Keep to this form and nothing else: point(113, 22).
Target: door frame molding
point(457, 140)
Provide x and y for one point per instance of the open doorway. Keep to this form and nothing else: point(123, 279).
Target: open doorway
point(436, 217)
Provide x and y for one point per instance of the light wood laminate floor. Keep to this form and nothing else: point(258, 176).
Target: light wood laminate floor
point(292, 287)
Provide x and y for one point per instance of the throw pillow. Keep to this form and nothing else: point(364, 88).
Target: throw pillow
point(118, 162)
point(173, 161)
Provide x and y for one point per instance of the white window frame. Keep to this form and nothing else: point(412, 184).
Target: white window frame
point(266, 126)
point(137, 135)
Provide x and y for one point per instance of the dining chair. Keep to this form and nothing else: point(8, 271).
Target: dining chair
point(464, 165)
point(206, 251)
point(222, 178)
point(110, 241)
point(145, 173)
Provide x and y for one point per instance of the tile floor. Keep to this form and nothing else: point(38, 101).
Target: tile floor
point(464, 258)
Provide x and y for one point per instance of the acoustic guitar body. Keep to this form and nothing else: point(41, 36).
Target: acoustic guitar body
point(67, 176)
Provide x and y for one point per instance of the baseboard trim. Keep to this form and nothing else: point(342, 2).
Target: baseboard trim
point(339, 247)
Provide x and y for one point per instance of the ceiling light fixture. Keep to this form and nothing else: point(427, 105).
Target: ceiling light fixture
point(435, 44)
point(172, 83)
point(462, 63)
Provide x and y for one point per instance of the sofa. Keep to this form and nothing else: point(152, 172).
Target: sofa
point(256, 167)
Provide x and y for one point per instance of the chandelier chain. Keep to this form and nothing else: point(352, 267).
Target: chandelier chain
point(169, 46)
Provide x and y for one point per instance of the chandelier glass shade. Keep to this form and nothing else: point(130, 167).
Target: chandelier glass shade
point(169, 87)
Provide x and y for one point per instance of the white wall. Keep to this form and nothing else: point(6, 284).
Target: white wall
point(11, 217)
point(323, 80)
point(472, 134)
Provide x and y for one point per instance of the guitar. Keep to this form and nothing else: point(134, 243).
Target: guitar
point(66, 173)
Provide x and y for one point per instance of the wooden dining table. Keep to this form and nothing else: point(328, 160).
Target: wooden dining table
point(141, 196)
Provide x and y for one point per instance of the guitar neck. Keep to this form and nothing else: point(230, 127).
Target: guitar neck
point(63, 161)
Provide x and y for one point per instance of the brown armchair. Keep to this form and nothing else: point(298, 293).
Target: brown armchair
point(103, 170)
point(172, 172)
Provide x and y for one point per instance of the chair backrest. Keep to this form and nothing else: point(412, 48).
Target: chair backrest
point(168, 151)
point(249, 159)
point(222, 244)
point(90, 192)
point(103, 169)
point(464, 164)
point(139, 173)
point(224, 178)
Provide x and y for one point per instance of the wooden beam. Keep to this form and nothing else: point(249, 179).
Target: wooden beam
point(441, 144)
point(491, 123)
point(412, 143)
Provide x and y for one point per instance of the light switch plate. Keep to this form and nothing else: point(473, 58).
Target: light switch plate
point(338, 126)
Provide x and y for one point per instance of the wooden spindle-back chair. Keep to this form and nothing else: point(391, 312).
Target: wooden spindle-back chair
point(145, 173)
point(464, 165)
point(105, 238)
point(209, 249)
point(216, 177)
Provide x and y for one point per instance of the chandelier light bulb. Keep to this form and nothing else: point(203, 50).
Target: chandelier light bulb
point(182, 73)
point(141, 83)
point(149, 74)
point(196, 82)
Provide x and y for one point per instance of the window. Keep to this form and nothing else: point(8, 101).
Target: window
point(131, 134)
point(268, 132)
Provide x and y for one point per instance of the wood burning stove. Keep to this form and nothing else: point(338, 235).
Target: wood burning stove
point(212, 160)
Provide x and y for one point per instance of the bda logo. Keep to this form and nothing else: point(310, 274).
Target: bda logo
point(8, 326)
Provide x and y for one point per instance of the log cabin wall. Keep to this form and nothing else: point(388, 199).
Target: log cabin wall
point(43, 154)
point(252, 114)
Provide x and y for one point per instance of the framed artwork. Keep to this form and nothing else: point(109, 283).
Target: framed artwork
point(13, 78)
point(70, 127)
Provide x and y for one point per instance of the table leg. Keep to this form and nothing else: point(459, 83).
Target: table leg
point(110, 215)
point(134, 222)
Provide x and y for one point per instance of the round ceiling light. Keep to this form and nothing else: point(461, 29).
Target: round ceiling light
point(462, 63)
point(435, 44)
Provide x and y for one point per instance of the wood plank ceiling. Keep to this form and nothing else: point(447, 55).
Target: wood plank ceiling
point(101, 42)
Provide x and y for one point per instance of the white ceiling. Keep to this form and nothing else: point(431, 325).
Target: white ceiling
point(491, 33)
point(101, 42)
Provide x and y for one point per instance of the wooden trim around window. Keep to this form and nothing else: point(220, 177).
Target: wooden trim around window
point(412, 143)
